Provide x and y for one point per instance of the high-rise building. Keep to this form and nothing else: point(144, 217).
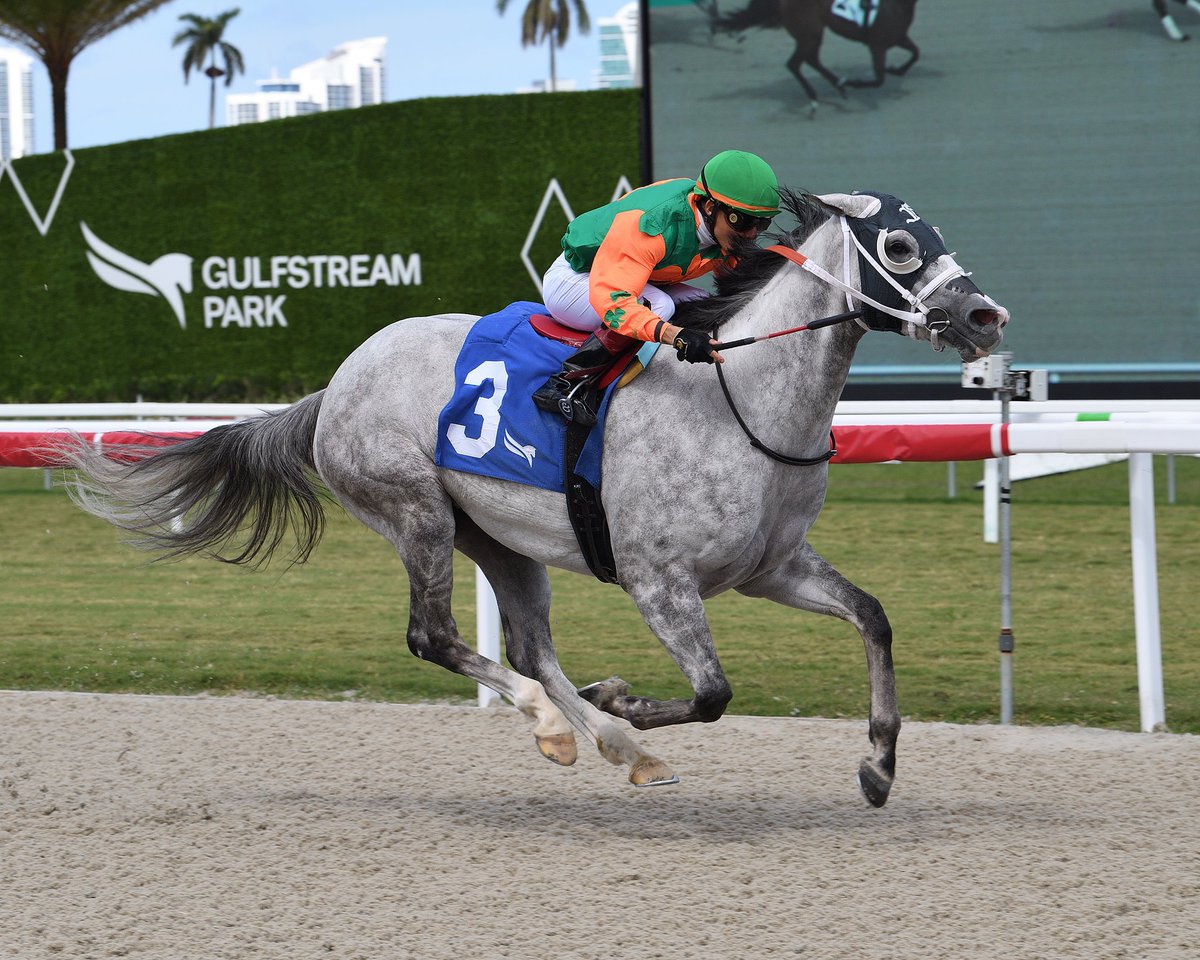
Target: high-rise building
point(620, 54)
point(16, 104)
point(276, 98)
point(351, 76)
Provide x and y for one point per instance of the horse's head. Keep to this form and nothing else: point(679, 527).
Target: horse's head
point(905, 267)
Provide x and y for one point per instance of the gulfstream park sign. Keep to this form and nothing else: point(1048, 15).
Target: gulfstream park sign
point(245, 291)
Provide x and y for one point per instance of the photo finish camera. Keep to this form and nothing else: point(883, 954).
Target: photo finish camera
point(994, 373)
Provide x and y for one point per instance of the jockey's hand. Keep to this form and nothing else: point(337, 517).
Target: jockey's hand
point(695, 346)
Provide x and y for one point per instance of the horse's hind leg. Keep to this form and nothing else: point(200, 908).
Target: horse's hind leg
point(417, 518)
point(808, 582)
point(523, 596)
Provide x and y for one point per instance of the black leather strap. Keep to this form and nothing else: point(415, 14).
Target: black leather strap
point(585, 510)
point(773, 454)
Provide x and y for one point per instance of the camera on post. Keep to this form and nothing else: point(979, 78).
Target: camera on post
point(995, 373)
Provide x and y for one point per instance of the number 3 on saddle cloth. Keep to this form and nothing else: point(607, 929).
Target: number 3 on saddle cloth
point(492, 427)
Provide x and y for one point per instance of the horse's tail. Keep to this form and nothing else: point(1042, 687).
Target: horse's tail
point(759, 13)
point(195, 497)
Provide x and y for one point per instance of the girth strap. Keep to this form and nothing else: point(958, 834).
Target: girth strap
point(585, 510)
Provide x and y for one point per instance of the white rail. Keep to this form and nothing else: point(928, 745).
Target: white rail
point(1137, 427)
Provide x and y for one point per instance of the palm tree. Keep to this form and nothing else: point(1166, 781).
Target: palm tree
point(549, 20)
point(204, 39)
point(56, 31)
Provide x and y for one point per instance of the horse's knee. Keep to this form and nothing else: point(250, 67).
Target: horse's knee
point(439, 650)
point(420, 646)
point(711, 703)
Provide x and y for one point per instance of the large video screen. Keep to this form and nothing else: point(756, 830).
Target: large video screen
point(1056, 144)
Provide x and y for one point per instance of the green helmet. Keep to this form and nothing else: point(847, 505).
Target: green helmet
point(742, 181)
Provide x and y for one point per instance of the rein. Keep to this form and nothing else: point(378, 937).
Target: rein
point(920, 315)
point(755, 442)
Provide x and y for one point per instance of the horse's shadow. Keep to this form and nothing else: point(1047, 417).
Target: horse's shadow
point(676, 814)
point(861, 101)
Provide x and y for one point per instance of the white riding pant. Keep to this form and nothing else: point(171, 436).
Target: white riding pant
point(565, 294)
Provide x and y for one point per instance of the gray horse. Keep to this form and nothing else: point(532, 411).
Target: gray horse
point(693, 509)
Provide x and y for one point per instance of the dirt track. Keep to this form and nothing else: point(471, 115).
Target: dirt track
point(225, 828)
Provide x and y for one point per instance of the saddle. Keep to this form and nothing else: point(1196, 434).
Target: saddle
point(623, 369)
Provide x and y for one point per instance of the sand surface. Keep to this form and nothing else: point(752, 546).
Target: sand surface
point(237, 828)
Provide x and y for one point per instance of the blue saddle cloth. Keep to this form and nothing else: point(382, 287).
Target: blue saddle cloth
point(491, 426)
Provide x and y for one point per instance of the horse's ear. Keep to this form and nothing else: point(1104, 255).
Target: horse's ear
point(854, 205)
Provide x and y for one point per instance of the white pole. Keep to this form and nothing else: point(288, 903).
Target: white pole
point(991, 501)
point(1145, 592)
point(1006, 642)
point(487, 631)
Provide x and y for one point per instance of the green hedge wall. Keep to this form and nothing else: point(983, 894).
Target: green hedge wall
point(455, 181)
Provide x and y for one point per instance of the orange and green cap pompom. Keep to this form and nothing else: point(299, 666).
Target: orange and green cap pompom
point(742, 181)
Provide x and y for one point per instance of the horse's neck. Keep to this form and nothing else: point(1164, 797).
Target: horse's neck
point(799, 377)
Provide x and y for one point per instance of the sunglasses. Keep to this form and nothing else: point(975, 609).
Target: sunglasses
point(743, 222)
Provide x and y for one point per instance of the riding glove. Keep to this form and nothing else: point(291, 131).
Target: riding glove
point(693, 346)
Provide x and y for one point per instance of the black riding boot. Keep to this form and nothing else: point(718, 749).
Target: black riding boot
point(573, 390)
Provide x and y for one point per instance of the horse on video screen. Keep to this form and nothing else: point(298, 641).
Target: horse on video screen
point(692, 509)
point(880, 24)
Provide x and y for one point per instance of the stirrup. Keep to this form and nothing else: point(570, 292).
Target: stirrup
point(574, 406)
point(548, 396)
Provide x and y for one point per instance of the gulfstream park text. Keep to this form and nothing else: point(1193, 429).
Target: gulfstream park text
point(297, 272)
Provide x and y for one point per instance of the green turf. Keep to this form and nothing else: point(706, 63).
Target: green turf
point(81, 611)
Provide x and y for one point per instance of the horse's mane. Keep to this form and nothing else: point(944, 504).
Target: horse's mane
point(755, 266)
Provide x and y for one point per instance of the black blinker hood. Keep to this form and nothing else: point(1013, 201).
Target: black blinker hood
point(893, 214)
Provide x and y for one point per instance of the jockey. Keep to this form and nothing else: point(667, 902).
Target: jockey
point(624, 265)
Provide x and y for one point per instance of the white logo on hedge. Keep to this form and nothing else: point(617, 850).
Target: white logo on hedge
point(169, 277)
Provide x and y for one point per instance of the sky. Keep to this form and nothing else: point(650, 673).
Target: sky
point(130, 85)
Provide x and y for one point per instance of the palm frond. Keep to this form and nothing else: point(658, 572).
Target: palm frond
point(585, 24)
point(193, 59)
point(233, 61)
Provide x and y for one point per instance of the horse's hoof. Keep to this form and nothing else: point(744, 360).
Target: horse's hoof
point(649, 772)
point(558, 748)
point(602, 693)
point(812, 110)
point(874, 785)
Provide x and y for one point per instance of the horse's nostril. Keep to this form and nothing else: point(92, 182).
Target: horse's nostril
point(985, 317)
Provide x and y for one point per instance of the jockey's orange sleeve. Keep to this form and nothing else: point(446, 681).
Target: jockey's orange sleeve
point(624, 262)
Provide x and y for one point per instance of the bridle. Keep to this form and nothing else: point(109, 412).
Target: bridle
point(935, 320)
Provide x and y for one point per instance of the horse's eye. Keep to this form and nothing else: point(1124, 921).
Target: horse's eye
point(898, 251)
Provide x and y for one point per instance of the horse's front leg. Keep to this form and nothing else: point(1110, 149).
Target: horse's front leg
point(795, 62)
point(914, 55)
point(808, 582)
point(878, 63)
point(671, 606)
